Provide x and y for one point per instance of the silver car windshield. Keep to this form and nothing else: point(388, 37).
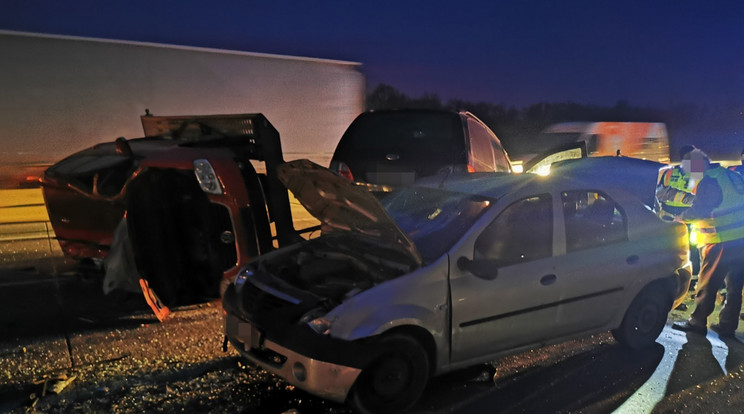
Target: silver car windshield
point(434, 219)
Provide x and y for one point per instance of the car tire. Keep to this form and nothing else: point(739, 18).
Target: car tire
point(644, 319)
point(395, 379)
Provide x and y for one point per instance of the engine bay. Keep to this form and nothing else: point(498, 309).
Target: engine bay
point(335, 268)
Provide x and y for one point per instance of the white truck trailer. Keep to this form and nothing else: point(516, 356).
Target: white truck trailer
point(61, 94)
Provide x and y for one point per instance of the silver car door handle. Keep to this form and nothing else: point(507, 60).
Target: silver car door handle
point(548, 280)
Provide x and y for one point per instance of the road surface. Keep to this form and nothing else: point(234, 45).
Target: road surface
point(64, 347)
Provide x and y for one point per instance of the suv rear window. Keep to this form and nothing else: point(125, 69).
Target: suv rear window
point(402, 130)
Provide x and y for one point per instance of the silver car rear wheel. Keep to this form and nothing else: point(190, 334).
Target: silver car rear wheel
point(645, 318)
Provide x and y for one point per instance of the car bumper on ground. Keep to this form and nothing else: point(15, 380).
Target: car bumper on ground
point(325, 379)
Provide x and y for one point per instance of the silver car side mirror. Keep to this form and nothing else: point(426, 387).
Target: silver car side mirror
point(483, 269)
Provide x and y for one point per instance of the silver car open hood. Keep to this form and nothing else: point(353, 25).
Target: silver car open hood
point(344, 207)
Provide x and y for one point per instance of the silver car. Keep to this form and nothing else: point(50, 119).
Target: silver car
point(458, 270)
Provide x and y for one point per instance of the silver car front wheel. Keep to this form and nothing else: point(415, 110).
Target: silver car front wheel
point(395, 379)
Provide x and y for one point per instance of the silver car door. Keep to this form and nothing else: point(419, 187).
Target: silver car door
point(505, 297)
point(598, 263)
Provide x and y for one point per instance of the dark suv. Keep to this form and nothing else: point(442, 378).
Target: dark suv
point(387, 148)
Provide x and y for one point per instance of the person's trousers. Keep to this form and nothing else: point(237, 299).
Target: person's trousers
point(722, 262)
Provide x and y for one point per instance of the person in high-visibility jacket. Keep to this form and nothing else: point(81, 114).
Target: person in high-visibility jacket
point(675, 191)
point(718, 214)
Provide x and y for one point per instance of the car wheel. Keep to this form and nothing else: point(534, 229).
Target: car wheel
point(644, 319)
point(395, 379)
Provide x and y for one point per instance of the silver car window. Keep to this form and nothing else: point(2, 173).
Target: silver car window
point(521, 233)
point(592, 219)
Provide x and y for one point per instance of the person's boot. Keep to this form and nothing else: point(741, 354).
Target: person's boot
point(686, 326)
point(723, 333)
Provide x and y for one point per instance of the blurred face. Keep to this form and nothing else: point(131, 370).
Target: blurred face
point(694, 164)
point(685, 165)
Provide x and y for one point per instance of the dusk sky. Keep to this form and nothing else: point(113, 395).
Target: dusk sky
point(515, 52)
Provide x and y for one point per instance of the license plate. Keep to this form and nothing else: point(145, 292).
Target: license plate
point(249, 335)
point(392, 177)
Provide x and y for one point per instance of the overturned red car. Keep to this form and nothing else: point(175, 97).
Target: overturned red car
point(186, 201)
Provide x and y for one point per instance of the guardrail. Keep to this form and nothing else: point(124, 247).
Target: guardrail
point(26, 235)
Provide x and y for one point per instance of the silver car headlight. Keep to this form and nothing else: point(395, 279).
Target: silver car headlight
point(318, 321)
point(321, 325)
point(206, 177)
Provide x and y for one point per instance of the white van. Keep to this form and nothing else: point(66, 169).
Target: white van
point(644, 140)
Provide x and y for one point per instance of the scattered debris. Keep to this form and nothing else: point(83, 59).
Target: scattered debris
point(57, 385)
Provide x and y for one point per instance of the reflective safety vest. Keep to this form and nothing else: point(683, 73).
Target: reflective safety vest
point(676, 179)
point(726, 221)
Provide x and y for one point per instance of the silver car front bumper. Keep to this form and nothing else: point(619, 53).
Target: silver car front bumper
point(324, 379)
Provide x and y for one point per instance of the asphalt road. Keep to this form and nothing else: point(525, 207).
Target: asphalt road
point(64, 347)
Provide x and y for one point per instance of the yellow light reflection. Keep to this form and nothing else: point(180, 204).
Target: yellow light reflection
point(543, 170)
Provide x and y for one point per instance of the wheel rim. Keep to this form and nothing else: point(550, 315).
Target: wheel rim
point(391, 377)
point(647, 318)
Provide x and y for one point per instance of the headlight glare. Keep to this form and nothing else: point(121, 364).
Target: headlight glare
point(543, 170)
point(693, 236)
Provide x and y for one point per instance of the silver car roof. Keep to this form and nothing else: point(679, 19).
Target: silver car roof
point(630, 175)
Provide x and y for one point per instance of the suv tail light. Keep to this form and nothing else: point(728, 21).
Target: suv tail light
point(343, 170)
point(471, 169)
